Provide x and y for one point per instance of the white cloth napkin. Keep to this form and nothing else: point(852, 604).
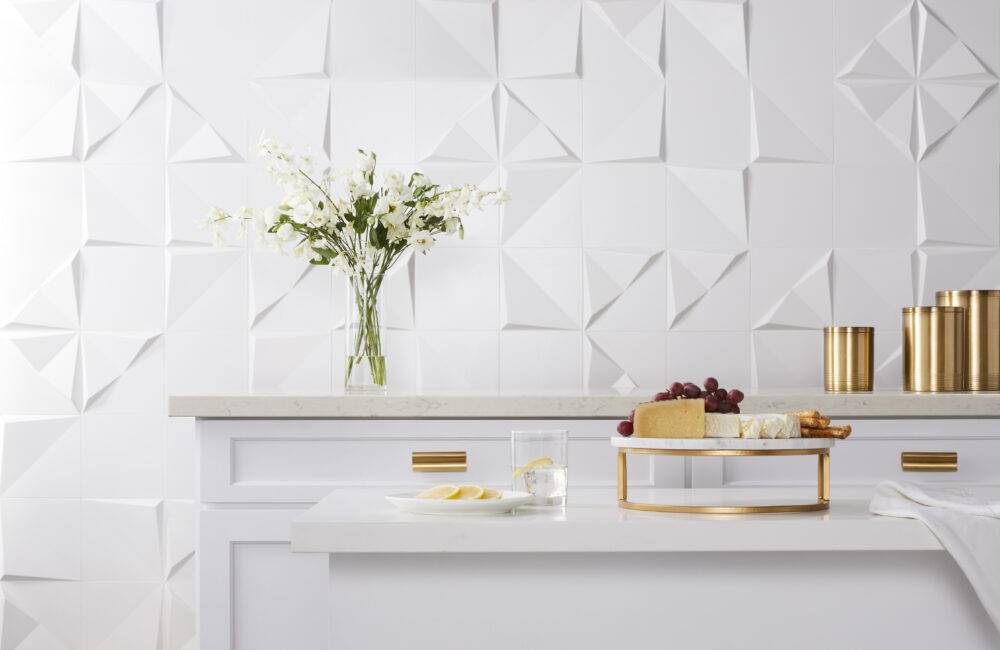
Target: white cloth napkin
point(967, 527)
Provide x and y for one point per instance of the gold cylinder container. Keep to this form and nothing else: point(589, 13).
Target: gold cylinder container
point(933, 349)
point(848, 359)
point(982, 335)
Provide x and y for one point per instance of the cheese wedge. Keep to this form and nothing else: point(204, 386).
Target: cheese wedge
point(722, 425)
point(790, 427)
point(750, 426)
point(678, 418)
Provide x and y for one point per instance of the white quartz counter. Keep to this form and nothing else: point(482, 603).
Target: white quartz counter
point(361, 521)
point(881, 404)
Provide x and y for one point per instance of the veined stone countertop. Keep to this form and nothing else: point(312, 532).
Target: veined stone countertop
point(880, 404)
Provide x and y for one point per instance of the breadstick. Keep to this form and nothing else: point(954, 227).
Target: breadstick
point(806, 414)
point(820, 422)
point(839, 432)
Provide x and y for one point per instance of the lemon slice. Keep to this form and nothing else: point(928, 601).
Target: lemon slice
point(490, 493)
point(541, 461)
point(470, 492)
point(440, 492)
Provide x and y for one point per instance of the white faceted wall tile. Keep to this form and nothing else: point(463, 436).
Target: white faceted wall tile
point(708, 91)
point(975, 141)
point(120, 42)
point(207, 288)
point(456, 39)
point(481, 228)
point(624, 361)
point(624, 205)
point(459, 361)
point(791, 62)
point(374, 116)
point(541, 288)
point(193, 189)
point(456, 121)
point(38, 258)
point(121, 615)
point(957, 204)
point(124, 204)
point(41, 538)
point(940, 268)
point(549, 210)
point(47, 613)
point(180, 453)
point(40, 457)
point(287, 295)
point(693, 356)
point(706, 208)
point(522, 368)
point(790, 288)
point(791, 205)
point(122, 288)
point(122, 539)
point(108, 357)
point(402, 360)
point(875, 205)
point(858, 22)
point(458, 288)
point(871, 286)
point(200, 362)
point(122, 455)
point(976, 22)
point(291, 363)
point(784, 359)
point(36, 385)
point(288, 39)
point(859, 139)
point(888, 359)
point(543, 120)
point(298, 108)
point(539, 39)
point(708, 291)
point(625, 291)
point(355, 54)
point(123, 133)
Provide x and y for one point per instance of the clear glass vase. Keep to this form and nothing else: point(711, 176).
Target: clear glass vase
point(364, 359)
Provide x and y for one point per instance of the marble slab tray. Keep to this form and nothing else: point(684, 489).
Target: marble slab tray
point(722, 443)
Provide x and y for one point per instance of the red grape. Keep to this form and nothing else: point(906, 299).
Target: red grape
point(711, 404)
point(692, 391)
point(735, 396)
point(677, 389)
point(625, 428)
point(659, 397)
point(725, 407)
point(736, 408)
point(721, 394)
point(711, 384)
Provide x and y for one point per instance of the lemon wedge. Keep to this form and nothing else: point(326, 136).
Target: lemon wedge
point(470, 491)
point(541, 461)
point(441, 492)
point(490, 493)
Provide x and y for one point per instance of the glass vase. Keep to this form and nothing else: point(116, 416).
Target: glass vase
point(364, 360)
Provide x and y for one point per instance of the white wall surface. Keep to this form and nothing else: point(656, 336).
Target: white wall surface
point(698, 187)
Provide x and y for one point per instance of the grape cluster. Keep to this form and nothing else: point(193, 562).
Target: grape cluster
point(717, 400)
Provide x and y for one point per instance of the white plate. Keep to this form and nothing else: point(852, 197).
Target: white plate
point(408, 502)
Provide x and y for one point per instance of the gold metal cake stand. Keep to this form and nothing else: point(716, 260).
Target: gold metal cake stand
point(822, 481)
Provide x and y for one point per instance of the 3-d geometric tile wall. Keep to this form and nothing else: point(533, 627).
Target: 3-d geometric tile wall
point(698, 187)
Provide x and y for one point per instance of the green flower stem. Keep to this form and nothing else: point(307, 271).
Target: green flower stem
point(367, 345)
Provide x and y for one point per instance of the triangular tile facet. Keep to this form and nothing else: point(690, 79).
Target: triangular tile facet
point(775, 138)
point(723, 24)
point(807, 305)
point(190, 138)
point(608, 274)
point(55, 302)
point(692, 274)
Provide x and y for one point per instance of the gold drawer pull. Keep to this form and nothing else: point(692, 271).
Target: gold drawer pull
point(929, 461)
point(439, 461)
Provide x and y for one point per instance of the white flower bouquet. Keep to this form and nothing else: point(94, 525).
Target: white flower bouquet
point(359, 223)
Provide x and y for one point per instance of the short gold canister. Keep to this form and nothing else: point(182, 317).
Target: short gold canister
point(933, 349)
point(848, 359)
point(982, 335)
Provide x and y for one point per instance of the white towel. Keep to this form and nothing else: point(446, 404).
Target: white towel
point(967, 527)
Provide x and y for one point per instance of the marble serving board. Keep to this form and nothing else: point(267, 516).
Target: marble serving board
point(722, 443)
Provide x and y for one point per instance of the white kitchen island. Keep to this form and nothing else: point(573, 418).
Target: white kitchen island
point(592, 576)
point(266, 459)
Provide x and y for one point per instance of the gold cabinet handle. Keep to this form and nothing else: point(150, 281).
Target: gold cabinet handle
point(929, 461)
point(439, 461)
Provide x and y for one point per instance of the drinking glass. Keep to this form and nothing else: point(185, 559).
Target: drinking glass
point(539, 465)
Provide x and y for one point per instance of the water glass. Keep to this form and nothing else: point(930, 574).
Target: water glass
point(539, 465)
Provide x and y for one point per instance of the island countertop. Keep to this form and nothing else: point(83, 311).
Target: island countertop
point(361, 521)
point(879, 404)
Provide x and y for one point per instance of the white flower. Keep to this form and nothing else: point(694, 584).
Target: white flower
point(301, 208)
point(365, 162)
point(422, 241)
point(285, 231)
point(318, 220)
point(393, 179)
point(270, 216)
point(451, 225)
point(417, 179)
point(341, 265)
point(299, 250)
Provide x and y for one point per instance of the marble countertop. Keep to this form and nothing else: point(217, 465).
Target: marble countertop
point(891, 404)
point(361, 521)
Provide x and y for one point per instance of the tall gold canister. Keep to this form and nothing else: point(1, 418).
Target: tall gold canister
point(933, 349)
point(848, 359)
point(982, 335)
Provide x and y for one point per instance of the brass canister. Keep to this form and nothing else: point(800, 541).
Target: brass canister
point(982, 335)
point(933, 349)
point(848, 359)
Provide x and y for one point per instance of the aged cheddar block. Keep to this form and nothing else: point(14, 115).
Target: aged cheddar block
point(679, 418)
point(722, 425)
